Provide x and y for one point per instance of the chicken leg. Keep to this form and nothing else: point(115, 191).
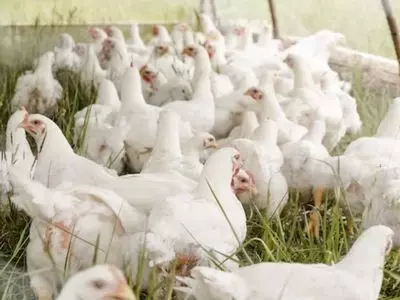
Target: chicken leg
point(313, 222)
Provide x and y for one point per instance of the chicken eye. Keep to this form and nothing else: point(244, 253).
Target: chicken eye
point(237, 156)
point(98, 284)
point(243, 180)
point(36, 122)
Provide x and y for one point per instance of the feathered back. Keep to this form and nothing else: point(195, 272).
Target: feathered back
point(107, 94)
point(211, 284)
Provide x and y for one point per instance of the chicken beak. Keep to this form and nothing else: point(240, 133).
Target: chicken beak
point(124, 292)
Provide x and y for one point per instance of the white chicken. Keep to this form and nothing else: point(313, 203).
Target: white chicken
point(118, 60)
point(64, 57)
point(135, 112)
point(270, 108)
point(17, 154)
point(263, 158)
point(316, 50)
point(167, 155)
point(135, 43)
point(97, 36)
point(159, 91)
point(380, 200)
point(230, 109)
point(200, 110)
point(104, 109)
point(71, 223)
point(330, 85)
point(57, 163)
point(193, 226)
point(160, 35)
point(308, 164)
point(200, 146)
point(309, 103)
point(165, 60)
point(90, 72)
point(38, 90)
point(357, 276)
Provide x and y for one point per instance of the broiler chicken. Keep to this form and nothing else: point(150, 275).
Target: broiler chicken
point(71, 223)
point(229, 110)
point(190, 226)
point(90, 72)
point(168, 63)
point(64, 56)
point(38, 90)
point(57, 163)
point(263, 158)
point(357, 276)
point(157, 90)
point(135, 112)
point(17, 155)
point(200, 110)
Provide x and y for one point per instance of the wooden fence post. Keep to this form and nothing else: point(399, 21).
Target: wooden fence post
point(393, 28)
point(274, 19)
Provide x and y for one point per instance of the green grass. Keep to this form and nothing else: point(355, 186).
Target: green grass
point(279, 240)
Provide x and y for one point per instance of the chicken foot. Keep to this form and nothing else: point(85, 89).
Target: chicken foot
point(312, 227)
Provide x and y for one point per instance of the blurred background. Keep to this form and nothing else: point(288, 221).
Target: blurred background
point(36, 23)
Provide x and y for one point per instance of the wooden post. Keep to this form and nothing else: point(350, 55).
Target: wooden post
point(393, 28)
point(274, 20)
